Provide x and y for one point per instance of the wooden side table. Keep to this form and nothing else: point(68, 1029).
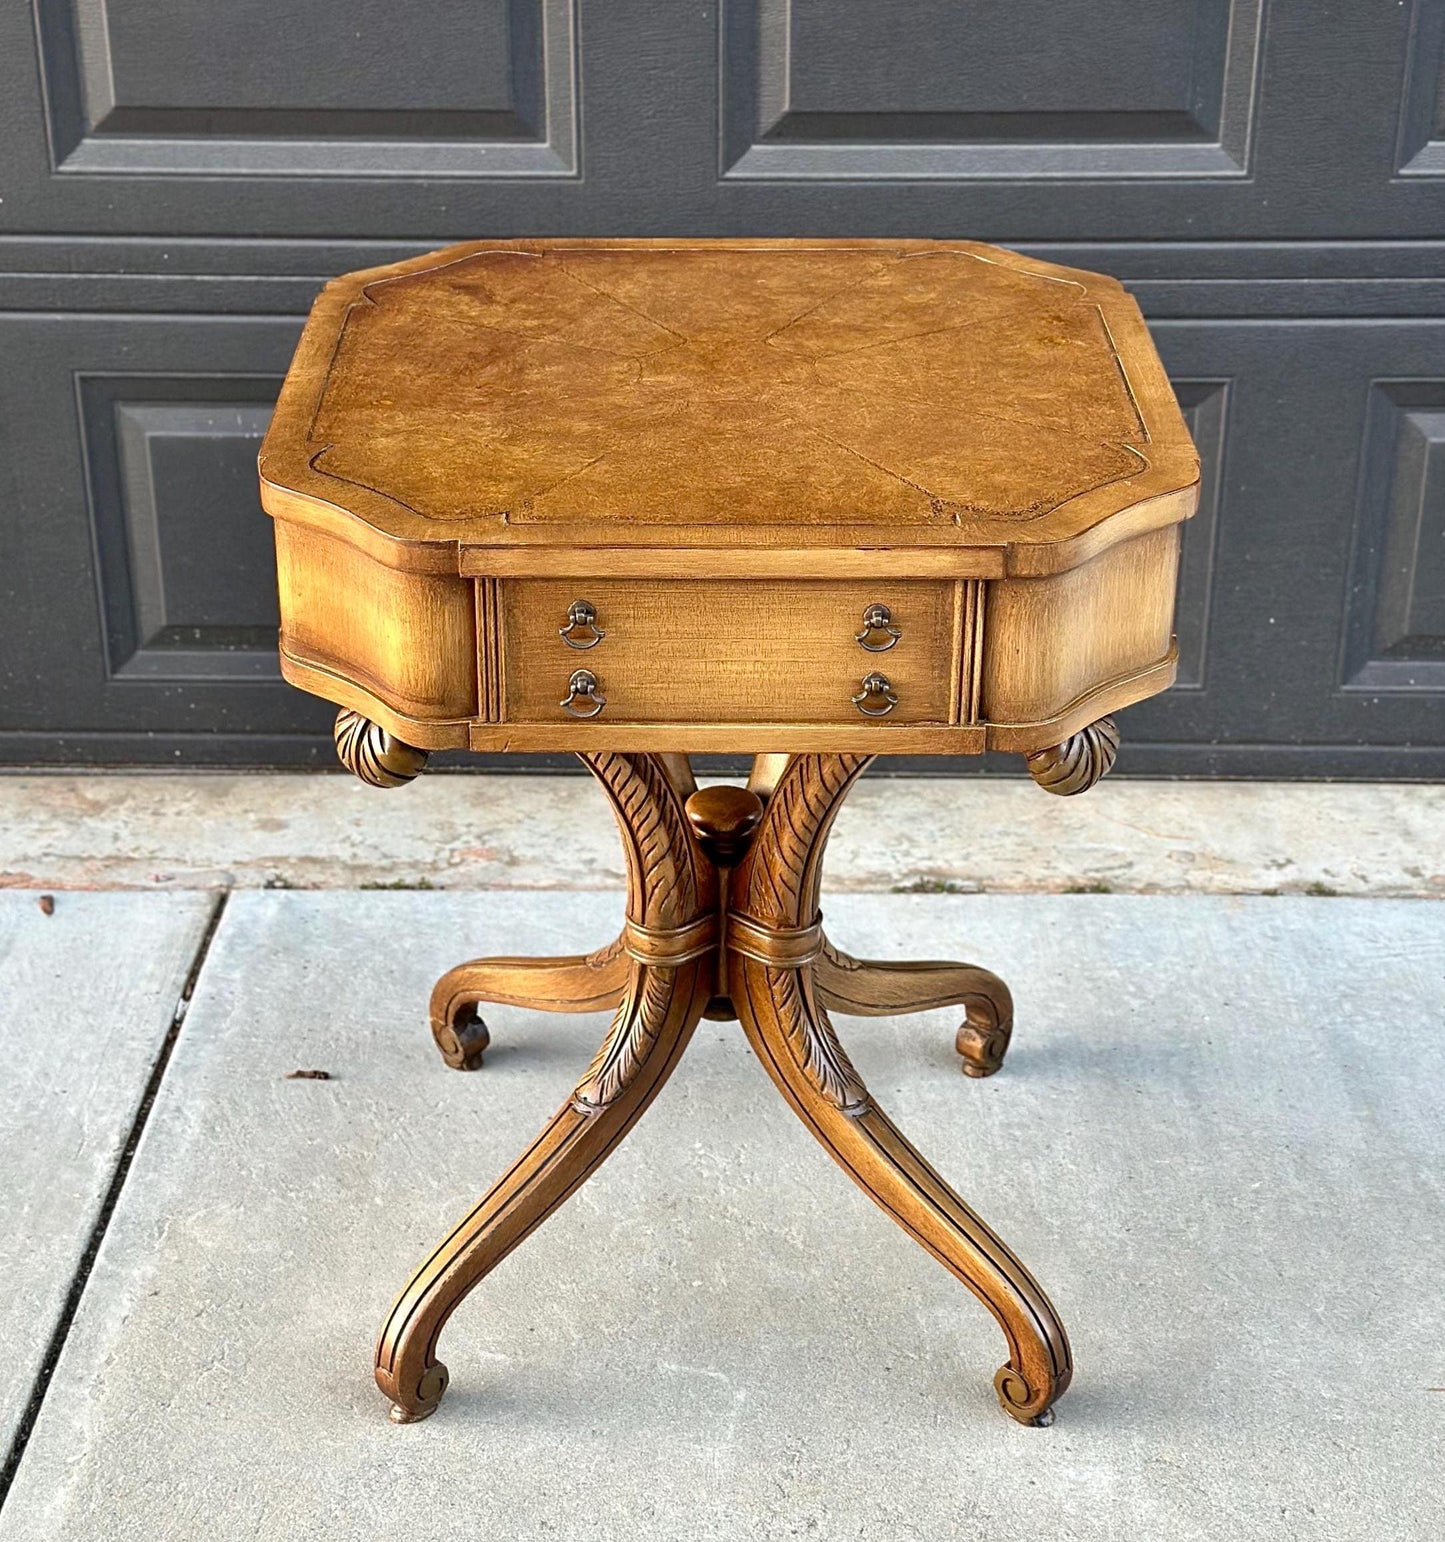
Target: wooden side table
point(811, 500)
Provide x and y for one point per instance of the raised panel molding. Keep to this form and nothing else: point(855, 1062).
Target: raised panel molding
point(1394, 633)
point(814, 92)
point(183, 562)
point(1420, 151)
point(360, 90)
point(1205, 404)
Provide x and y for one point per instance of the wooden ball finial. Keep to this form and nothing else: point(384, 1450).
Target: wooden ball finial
point(724, 819)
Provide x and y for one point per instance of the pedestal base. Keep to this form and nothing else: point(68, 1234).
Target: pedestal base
point(723, 920)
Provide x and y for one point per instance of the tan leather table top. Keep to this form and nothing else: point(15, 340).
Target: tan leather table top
point(772, 393)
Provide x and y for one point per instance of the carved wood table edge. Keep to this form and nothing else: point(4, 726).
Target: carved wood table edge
point(809, 500)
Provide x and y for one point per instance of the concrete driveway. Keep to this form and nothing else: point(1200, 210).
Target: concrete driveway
point(1219, 1141)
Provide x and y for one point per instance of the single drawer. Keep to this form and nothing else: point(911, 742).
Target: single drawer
point(728, 651)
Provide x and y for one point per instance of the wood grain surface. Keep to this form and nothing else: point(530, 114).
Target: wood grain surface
point(723, 921)
point(730, 449)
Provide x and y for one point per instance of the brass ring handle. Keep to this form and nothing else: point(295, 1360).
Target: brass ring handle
point(878, 618)
point(581, 614)
point(582, 687)
point(875, 688)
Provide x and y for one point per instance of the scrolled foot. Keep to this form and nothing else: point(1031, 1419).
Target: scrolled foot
point(421, 1403)
point(782, 1003)
point(462, 1040)
point(873, 989)
point(591, 982)
point(983, 1036)
point(672, 893)
point(1080, 761)
point(1020, 1401)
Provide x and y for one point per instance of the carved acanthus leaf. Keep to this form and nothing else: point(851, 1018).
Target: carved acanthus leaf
point(793, 833)
point(661, 860)
point(656, 837)
point(635, 1027)
point(815, 1043)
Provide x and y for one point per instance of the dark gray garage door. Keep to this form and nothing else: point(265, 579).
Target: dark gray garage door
point(177, 177)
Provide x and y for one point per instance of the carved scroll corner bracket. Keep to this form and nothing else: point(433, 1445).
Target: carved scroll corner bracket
point(373, 753)
point(1079, 762)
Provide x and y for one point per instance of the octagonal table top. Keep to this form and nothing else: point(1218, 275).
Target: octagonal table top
point(797, 394)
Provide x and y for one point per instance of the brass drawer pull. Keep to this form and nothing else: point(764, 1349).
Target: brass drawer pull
point(876, 619)
point(582, 687)
point(876, 688)
point(581, 618)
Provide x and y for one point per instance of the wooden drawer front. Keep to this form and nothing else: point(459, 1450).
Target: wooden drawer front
point(728, 651)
